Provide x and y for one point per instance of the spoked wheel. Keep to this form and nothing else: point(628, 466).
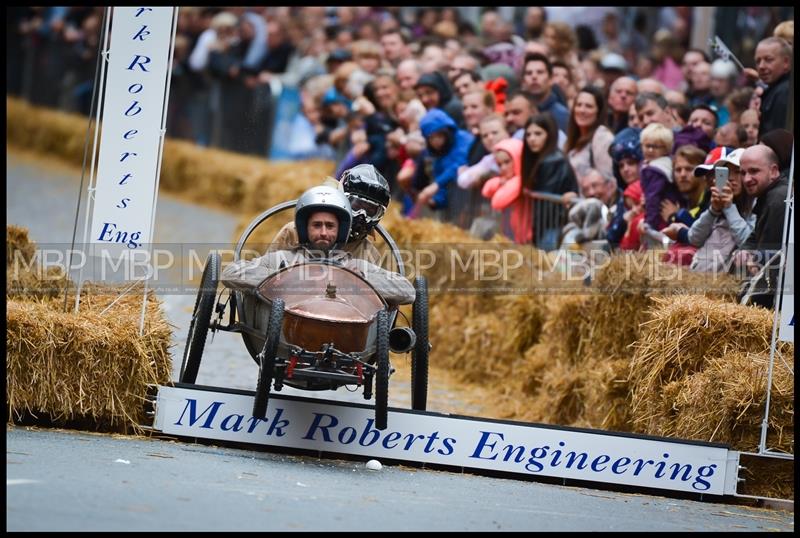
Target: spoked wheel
point(419, 355)
point(382, 371)
point(201, 317)
point(267, 359)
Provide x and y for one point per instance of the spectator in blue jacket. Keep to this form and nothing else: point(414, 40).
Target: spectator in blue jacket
point(447, 149)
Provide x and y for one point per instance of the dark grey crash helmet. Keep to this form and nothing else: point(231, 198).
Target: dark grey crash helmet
point(323, 198)
point(369, 195)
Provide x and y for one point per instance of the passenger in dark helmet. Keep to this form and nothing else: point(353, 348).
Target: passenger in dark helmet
point(369, 196)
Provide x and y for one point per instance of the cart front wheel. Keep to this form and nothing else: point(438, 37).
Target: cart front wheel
point(382, 371)
point(201, 318)
point(419, 354)
point(267, 359)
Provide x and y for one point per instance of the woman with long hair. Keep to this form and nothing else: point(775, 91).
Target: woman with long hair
point(545, 169)
point(588, 139)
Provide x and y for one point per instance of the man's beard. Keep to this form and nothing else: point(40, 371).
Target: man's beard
point(323, 247)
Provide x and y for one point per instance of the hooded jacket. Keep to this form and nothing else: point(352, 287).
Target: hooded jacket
point(454, 154)
point(447, 100)
point(506, 193)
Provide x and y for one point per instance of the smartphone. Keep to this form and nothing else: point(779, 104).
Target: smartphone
point(721, 176)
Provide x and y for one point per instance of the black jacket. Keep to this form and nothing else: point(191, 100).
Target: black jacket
point(555, 175)
point(774, 106)
point(770, 210)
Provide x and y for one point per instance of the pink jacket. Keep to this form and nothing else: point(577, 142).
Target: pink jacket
point(502, 192)
point(508, 193)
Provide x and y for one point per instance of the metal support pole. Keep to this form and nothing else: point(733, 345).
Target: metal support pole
point(90, 189)
point(94, 102)
point(762, 445)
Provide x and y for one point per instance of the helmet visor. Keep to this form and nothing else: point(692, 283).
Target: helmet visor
point(370, 210)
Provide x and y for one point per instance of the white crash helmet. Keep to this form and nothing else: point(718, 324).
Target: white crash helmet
point(323, 198)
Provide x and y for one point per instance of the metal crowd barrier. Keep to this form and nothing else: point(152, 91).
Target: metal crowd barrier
point(548, 217)
point(225, 114)
point(464, 206)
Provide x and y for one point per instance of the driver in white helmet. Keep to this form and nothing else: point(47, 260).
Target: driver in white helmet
point(323, 219)
point(369, 195)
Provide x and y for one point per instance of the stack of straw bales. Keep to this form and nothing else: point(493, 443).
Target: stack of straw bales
point(55, 134)
point(700, 371)
point(91, 369)
point(560, 358)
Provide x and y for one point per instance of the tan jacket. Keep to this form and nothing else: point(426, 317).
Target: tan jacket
point(248, 274)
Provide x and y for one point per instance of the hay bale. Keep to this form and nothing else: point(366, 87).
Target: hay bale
point(550, 375)
point(56, 134)
point(233, 181)
point(25, 278)
point(692, 349)
point(606, 392)
point(559, 400)
point(86, 367)
point(38, 283)
point(17, 241)
point(92, 367)
point(725, 402)
point(563, 331)
point(578, 372)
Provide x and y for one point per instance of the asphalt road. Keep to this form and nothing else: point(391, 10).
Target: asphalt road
point(60, 480)
point(65, 480)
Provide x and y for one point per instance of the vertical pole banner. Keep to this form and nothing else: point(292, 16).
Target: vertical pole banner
point(786, 332)
point(133, 100)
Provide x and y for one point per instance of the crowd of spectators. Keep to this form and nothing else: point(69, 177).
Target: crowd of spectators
point(552, 126)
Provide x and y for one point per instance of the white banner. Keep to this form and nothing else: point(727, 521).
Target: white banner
point(131, 126)
point(786, 331)
point(530, 449)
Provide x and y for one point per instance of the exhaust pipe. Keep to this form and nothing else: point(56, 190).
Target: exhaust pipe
point(402, 339)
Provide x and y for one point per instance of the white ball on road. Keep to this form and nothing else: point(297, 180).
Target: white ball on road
point(374, 465)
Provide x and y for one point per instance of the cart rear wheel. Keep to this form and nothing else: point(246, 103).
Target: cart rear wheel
point(419, 355)
point(267, 359)
point(201, 317)
point(382, 371)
